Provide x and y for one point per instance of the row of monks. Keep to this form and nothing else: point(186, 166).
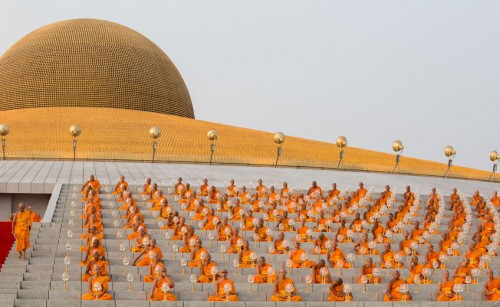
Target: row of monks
point(336, 214)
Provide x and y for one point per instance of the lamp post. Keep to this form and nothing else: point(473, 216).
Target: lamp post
point(154, 133)
point(75, 131)
point(212, 137)
point(398, 147)
point(450, 153)
point(341, 144)
point(4, 130)
point(279, 139)
point(495, 158)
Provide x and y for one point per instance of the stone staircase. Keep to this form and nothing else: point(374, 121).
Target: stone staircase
point(38, 280)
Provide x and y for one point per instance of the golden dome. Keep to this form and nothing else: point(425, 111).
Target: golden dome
point(91, 63)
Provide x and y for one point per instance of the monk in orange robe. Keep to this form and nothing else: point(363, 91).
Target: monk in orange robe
point(206, 274)
point(337, 292)
point(98, 287)
point(264, 272)
point(96, 246)
point(415, 270)
point(224, 290)
point(120, 186)
point(492, 287)
point(21, 227)
point(316, 275)
point(89, 272)
point(198, 253)
point(261, 189)
point(163, 282)
point(35, 217)
point(299, 257)
point(155, 268)
point(91, 184)
point(245, 256)
point(462, 271)
point(367, 271)
point(149, 253)
point(281, 244)
point(393, 293)
point(281, 286)
point(446, 293)
point(336, 254)
point(262, 232)
point(204, 188)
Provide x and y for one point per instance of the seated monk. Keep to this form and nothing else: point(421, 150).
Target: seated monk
point(416, 270)
point(120, 186)
point(162, 283)
point(462, 271)
point(281, 286)
point(149, 254)
point(235, 242)
point(263, 233)
point(337, 292)
point(224, 289)
point(280, 245)
point(492, 287)
point(378, 232)
point(90, 237)
point(363, 246)
point(431, 257)
point(96, 260)
point(198, 254)
point(141, 242)
point(261, 189)
point(94, 222)
point(446, 243)
point(91, 184)
point(180, 230)
point(206, 274)
point(35, 217)
point(388, 258)
point(393, 293)
point(137, 227)
point(147, 188)
point(304, 234)
point(98, 287)
point(336, 256)
point(476, 199)
point(244, 196)
point(320, 273)
point(320, 245)
point(190, 240)
point(232, 189)
point(367, 271)
point(211, 220)
point(473, 255)
point(213, 195)
point(165, 209)
point(249, 220)
point(264, 272)
point(132, 212)
point(446, 293)
point(246, 256)
point(237, 211)
point(96, 246)
point(179, 187)
point(155, 268)
point(299, 257)
point(224, 230)
point(204, 188)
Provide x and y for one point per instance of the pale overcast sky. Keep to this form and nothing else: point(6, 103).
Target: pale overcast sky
point(425, 72)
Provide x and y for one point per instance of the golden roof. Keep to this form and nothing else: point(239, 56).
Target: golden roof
point(91, 63)
point(114, 134)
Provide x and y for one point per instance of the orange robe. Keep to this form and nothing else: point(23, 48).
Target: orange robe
point(196, 262)
point(447, 287)
point(145, 261)
point(22, 230)
point(221, 297)
point(102, 265)
point(103, 280)
point(207, 276)
point(397, 295)
point(282, 290)
point(158, 294)
point(493, 286)
point(264, 277)
point(337, 298)
point(297, 262)
point(158, 268)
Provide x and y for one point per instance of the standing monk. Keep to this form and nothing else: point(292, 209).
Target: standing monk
point(21, 226)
